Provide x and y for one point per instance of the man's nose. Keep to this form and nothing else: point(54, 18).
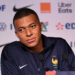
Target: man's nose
point(28, 32)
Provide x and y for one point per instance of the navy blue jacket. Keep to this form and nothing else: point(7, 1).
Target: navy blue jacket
point(16, 59)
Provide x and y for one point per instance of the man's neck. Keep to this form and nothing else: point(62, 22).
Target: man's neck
point(36, 50)
point(39, 48)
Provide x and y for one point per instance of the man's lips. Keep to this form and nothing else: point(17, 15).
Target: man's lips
point(31, 40)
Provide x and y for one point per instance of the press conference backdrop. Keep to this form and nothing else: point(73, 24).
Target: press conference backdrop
point(57, 16)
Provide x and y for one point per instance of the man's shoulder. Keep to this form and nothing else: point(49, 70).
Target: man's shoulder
point(58, 40)
point(55, 39)
point(13, 46)
point(61, 44)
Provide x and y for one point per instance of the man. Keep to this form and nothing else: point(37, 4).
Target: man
point(35, 53)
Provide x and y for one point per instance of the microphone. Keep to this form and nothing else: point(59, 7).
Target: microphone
point(64, 56)
point(41, 59)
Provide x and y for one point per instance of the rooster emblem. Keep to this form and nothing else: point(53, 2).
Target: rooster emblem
point(54, 60)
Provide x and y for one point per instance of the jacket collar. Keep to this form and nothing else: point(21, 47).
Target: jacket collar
point(47, 41)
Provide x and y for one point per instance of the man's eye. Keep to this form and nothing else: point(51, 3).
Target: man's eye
point(21, 30)
point(33, 26)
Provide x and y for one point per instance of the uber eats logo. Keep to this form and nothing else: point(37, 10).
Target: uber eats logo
point(65, 7)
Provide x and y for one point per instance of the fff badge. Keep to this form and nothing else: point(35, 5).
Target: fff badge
point(54, 61)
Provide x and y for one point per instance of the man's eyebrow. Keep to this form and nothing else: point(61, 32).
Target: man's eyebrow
point(31, 23)
point(24, 27)
point(21, 27)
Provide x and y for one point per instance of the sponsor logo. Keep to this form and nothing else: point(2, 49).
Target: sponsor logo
point(67, 26)
point(2, 26)
point(20, 67)
point(2, 7)
point(55, 62)
point(11, 27)
point(72, 44)
point(70, 25)
point(45, 24)
point(59, 26)
point(29, 5)
point(64, 7)
point(45, 7)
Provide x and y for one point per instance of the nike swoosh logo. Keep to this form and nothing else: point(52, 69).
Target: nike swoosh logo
point(29, 5)
point(20, 67)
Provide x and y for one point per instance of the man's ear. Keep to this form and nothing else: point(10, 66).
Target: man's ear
point(41, 26)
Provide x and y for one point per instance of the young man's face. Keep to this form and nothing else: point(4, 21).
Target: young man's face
point(28, 30)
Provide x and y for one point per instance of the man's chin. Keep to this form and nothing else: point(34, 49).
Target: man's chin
point(31, 46)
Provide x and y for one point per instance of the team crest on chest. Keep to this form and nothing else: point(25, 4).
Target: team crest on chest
point(54, 62)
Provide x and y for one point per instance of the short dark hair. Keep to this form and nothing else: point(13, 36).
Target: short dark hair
point(22, 12)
